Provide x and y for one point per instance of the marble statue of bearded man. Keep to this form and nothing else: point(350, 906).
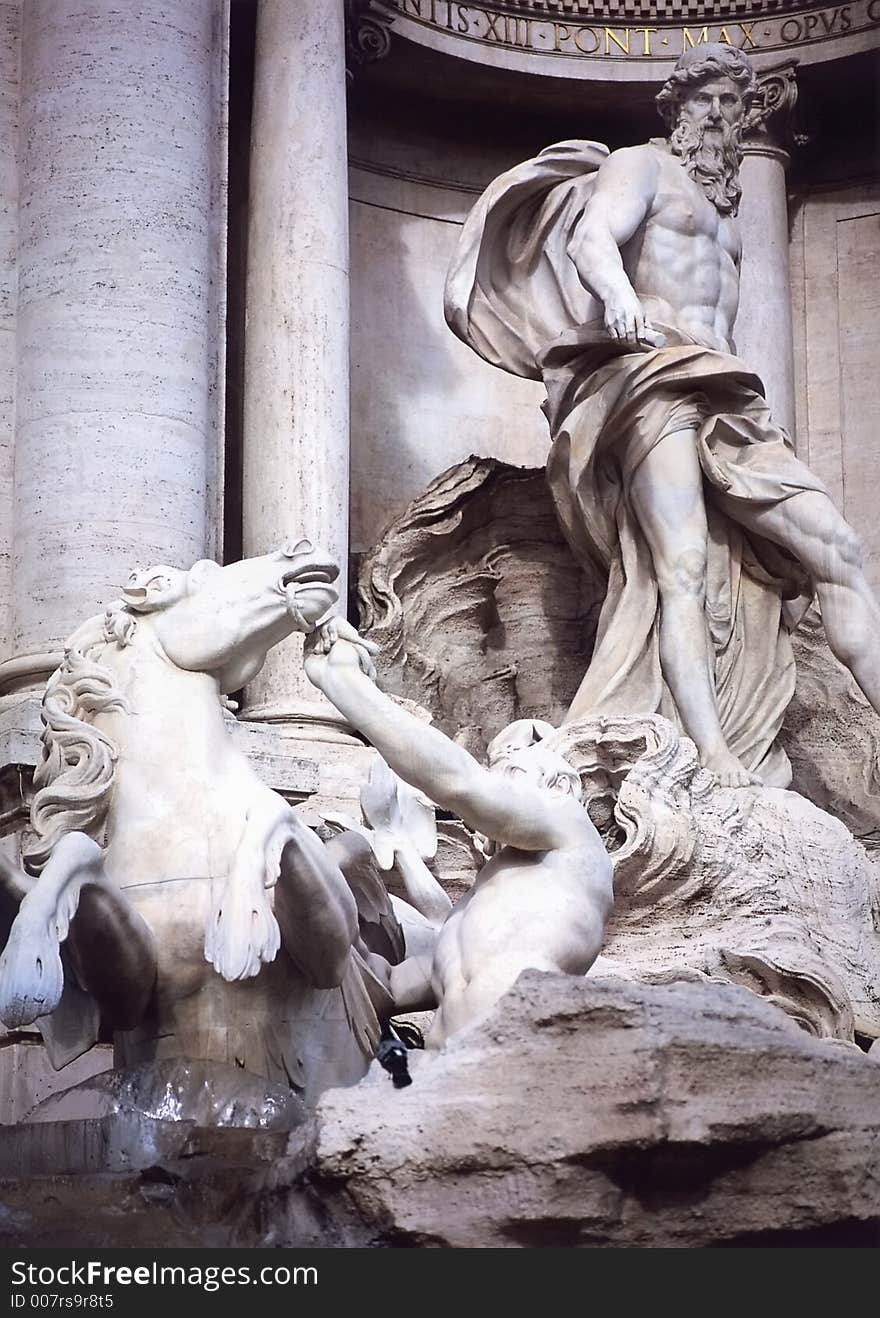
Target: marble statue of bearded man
point(614, 278)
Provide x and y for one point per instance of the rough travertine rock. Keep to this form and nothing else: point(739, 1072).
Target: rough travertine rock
point(832, 737)
point(584, 1113)
point(588, 1112)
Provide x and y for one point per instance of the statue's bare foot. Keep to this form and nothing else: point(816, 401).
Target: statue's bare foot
point(729, 770)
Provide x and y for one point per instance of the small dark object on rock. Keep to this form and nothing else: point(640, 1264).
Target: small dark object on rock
point(392, 1056)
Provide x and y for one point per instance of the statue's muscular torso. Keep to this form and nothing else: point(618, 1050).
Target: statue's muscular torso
point(684, 260)
point(650, 243)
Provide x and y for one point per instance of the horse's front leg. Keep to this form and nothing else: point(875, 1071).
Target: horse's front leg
point(112, 947)
point(242, 933)
point(312, 901)
point(113, 953)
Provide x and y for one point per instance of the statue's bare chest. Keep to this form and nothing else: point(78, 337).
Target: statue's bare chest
point(682, 210)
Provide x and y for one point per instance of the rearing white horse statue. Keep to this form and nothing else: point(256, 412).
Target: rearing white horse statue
point(161, 858)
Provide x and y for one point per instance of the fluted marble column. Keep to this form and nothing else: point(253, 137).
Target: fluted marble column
point(296, 404)
point(116, 434)
point(763, 331)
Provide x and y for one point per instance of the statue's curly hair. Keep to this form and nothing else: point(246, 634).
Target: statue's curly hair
point(712, 60)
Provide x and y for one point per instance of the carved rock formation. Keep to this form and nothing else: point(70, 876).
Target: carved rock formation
point(832, 737)
point(752, 887)
point(469, 592)
point(589, 1112)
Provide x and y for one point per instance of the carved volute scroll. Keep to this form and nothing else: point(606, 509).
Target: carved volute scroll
point(367, 35)
point(771, 120)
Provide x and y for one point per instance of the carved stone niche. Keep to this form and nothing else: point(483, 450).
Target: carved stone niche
point(484, 616)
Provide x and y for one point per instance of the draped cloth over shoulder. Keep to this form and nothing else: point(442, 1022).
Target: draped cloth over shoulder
point(514, 296)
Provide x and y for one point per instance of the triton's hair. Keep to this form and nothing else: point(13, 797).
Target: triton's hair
point(712, 60)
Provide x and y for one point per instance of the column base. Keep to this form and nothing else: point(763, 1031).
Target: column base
point(28, 672)
point(308, 720)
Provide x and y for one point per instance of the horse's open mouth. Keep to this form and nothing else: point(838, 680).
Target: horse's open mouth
point(308, 591)
point(306, 575)
point(300, 578)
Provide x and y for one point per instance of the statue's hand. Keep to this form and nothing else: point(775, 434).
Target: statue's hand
point(336, 644)
point(625, 319)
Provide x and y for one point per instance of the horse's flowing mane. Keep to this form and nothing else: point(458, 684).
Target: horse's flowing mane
point(74, 780)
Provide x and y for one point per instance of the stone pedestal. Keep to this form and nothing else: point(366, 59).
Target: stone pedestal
point(116, 439)
point(296, 413)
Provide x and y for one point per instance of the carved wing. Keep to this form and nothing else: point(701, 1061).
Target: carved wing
point(377, 922)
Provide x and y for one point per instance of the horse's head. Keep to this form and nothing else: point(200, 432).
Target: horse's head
point(224, 620)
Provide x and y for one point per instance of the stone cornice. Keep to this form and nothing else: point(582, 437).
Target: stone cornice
point(629, 40)
point(662, 11)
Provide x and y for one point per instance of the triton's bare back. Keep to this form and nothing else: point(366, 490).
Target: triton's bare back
point(614, 277)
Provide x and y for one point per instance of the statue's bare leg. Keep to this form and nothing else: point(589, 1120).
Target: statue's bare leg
point(666, 495)
point(810, 527)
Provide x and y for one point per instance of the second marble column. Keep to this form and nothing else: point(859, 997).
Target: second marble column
point(296, 405)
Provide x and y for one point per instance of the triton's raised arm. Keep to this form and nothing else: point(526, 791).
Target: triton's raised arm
point(621, 201)
point(509, 811)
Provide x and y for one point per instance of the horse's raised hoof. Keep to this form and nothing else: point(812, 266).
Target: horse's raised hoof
point(31, 974)
point(242, 933)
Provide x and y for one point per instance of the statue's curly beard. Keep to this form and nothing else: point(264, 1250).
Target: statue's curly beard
point(712, 160)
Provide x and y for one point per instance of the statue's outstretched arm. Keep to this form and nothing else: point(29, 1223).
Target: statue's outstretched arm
point(621, 200)
point(507, 811)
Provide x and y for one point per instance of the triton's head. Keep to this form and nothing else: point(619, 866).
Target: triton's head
point(518, 751)
point(704, 103)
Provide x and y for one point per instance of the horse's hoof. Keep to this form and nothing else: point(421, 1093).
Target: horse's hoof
point(31, 977)
point(242, 934)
